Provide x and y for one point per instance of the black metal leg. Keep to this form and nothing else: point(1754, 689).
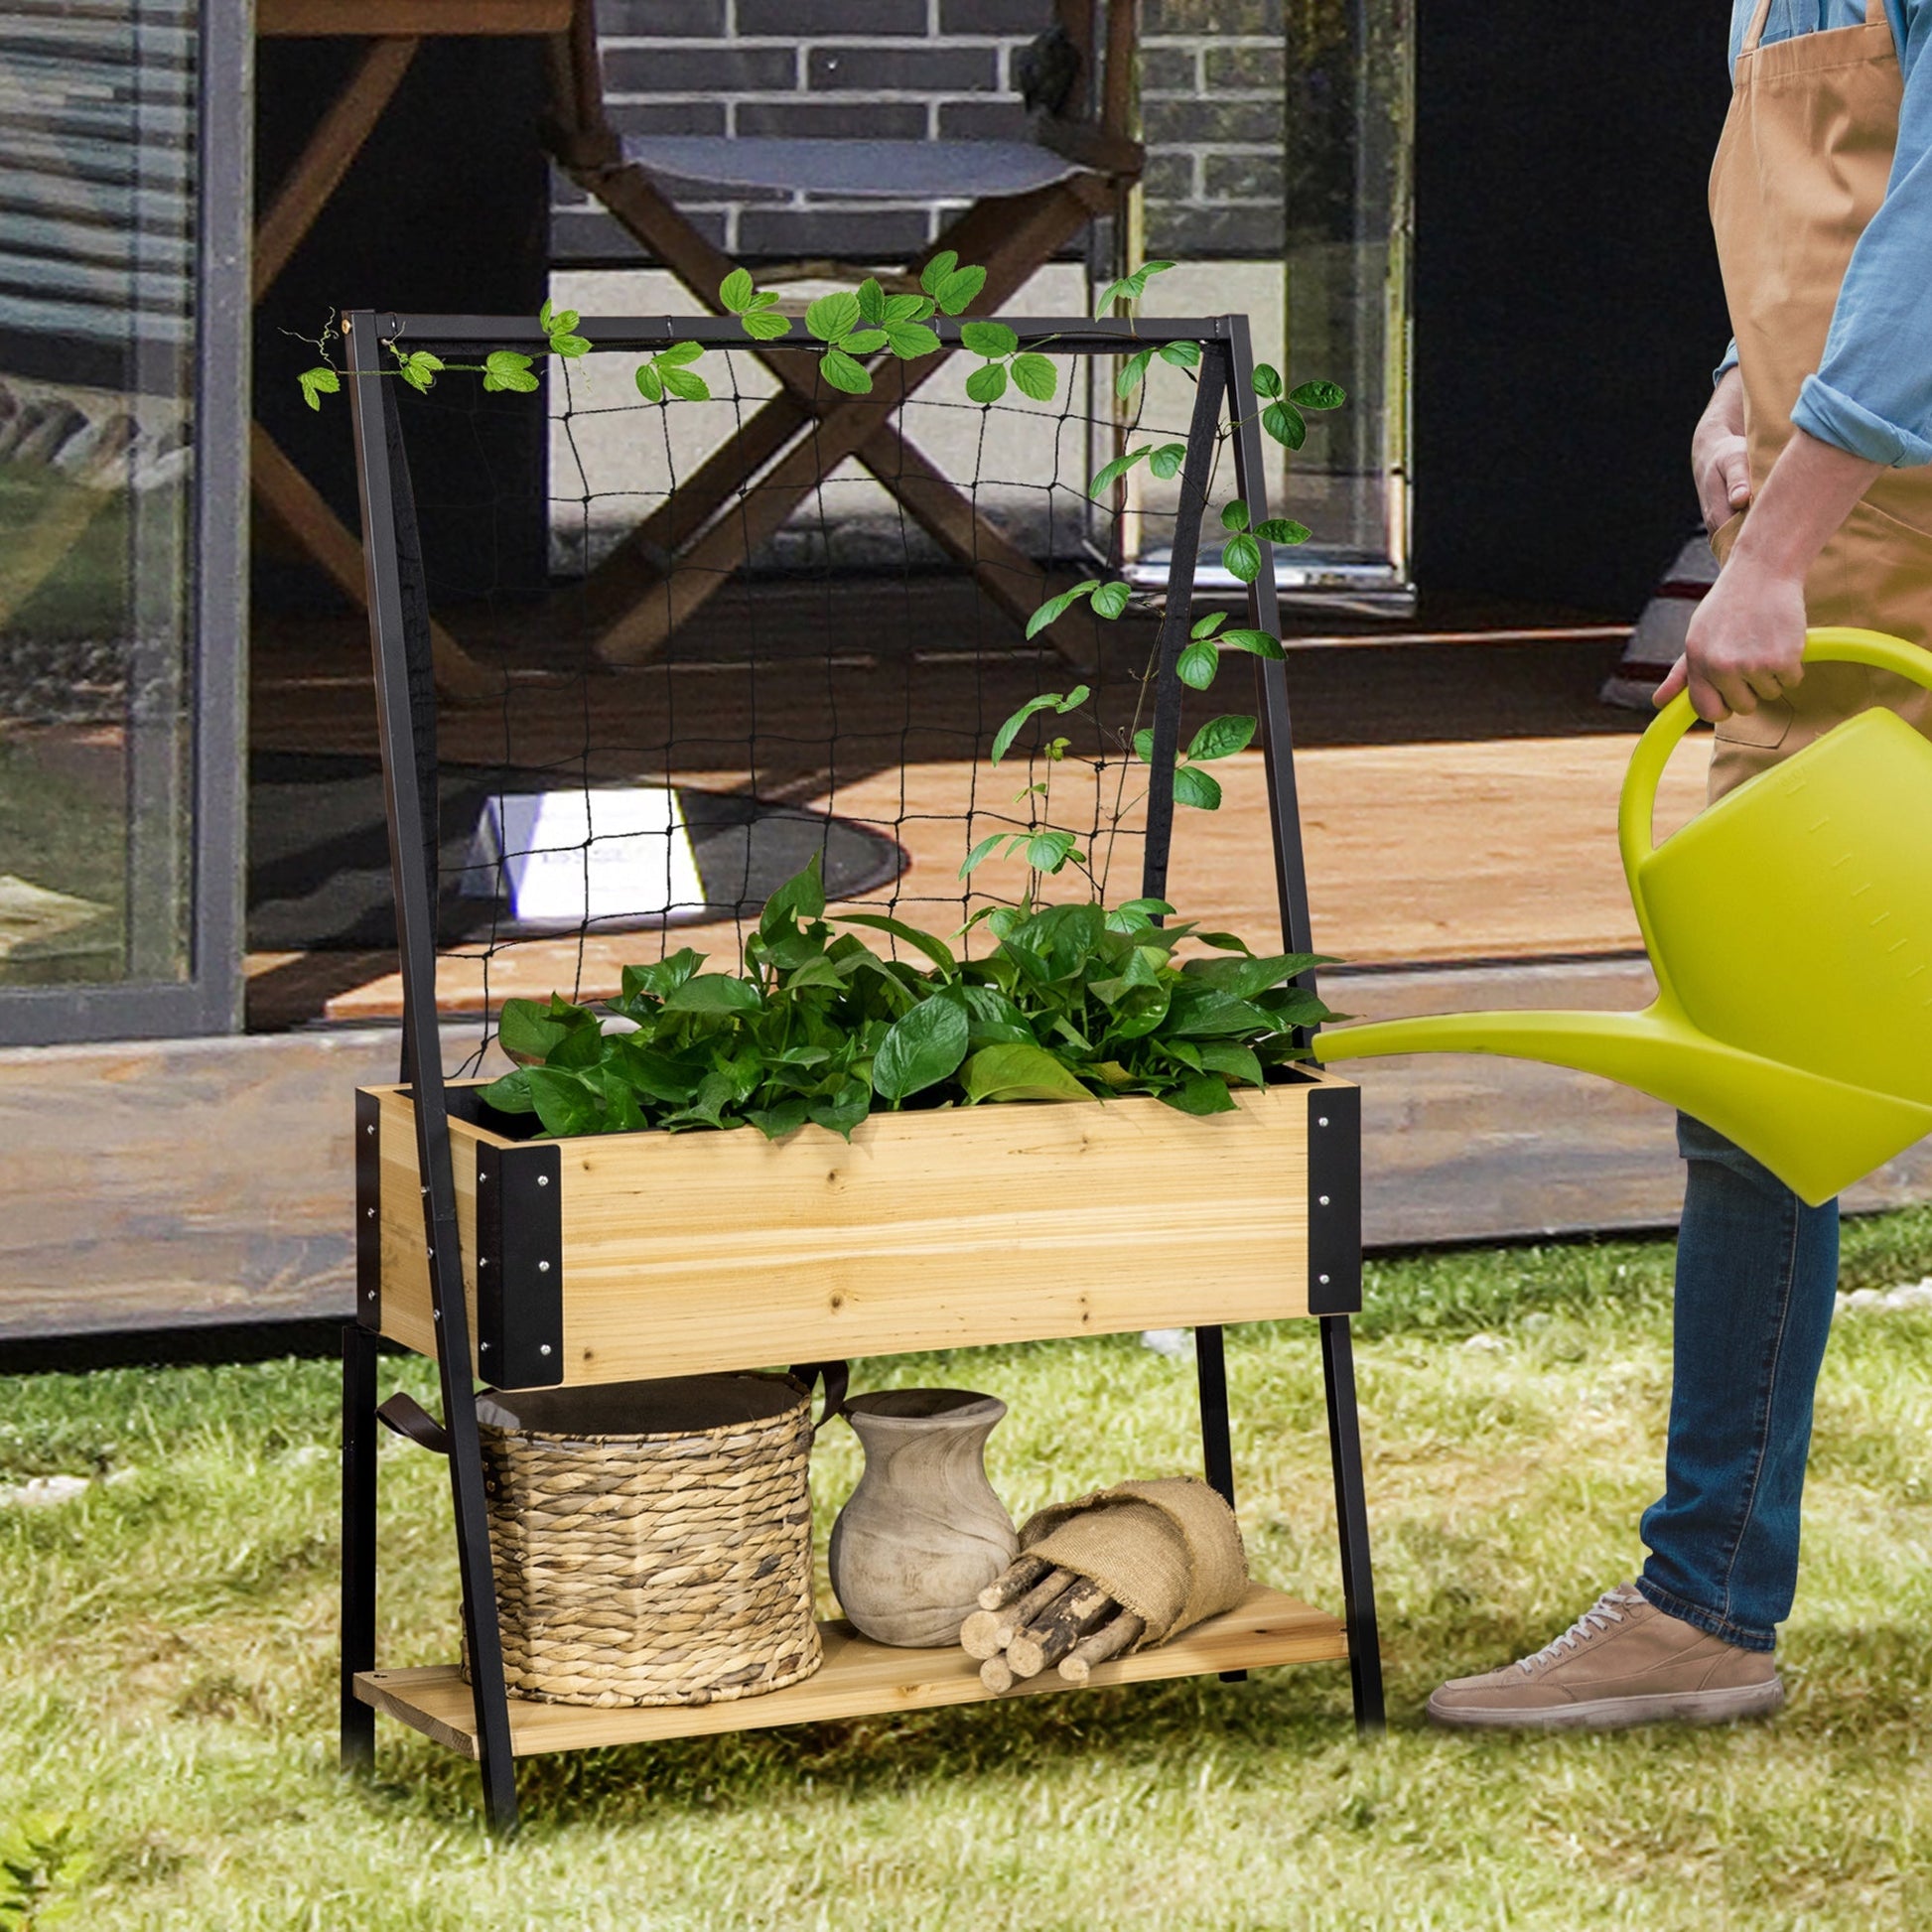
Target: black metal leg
point(358, 1541)
point(1351, 1512)
point(481, 1636)
point(1217, 1453)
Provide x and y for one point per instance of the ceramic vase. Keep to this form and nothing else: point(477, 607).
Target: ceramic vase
point(923, 1533)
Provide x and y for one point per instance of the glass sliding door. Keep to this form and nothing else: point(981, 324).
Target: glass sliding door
point(1279, 137)
point(122, 252)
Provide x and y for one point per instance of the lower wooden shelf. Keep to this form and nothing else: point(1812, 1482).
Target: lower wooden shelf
point(857, 1677)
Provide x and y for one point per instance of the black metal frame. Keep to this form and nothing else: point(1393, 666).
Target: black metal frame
point(517, 1321)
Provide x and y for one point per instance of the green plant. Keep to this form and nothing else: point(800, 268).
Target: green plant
point(41, 1865)
point(1072, 1004)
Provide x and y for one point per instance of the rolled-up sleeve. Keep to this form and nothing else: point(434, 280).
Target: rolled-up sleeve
point(1873, 392)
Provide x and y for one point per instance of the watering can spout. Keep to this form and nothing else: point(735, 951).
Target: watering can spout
point(1817, 1135)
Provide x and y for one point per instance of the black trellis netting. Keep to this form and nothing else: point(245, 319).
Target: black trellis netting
point(702, 687)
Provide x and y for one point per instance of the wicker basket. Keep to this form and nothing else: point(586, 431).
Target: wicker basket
point(652, 1541)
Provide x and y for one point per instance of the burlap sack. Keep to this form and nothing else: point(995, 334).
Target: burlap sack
point(1168, 1550)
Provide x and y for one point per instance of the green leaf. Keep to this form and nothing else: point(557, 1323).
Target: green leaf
point(1132, 373)
point(988, 339)
point(544, 314)
point(872, 300)
point(1207, 626)
point(526, 1032)
point(1017, 1071)
point(1268, 380)
point(681, 382)
point(568, 345)
point(842, 372)
point(1319, 395)
point(1049, 851)
point(510, 1095)
point(910, 339)
point(845, 1110)
point(1257, 643)
point(957, 290)
point(316, 383)
point(979, 855)
point(863, 342)
point(988, 382)
point(1197, 664)
point(1233, 1062)
point(678, 354)
point(1003, 737)
point(735, 291)
point(1181, 356)
point(1234, 515)
point(764, 327)
point(1111, 473)
point(1283, 529)
point(1055, 605)
point(1283, 420)
point(1144, 743)
point(1241, 556)
point(1205, 1093)
point(1196, 789)
point(1110, 600)
point(1165, 462)
point(1222, 737)
point(932, 277)
point(832, 318)
point(505, 369)
point(785, 1118)
point(802, 896)
point(921, 1048)
point(1130, 288)
point(1034, 376)
point(649, 385)
point(564, 1102)
point(934, 949)
point(715, 993)
point(1078, 696)
point(907, 308)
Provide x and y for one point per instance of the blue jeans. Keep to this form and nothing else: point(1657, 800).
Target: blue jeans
point(1756, 1273)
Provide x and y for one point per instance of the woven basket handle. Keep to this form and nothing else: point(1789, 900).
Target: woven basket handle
point(408, 1417)
point(836, 1376)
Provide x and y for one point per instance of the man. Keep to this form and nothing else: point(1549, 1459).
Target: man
point(1814, 466)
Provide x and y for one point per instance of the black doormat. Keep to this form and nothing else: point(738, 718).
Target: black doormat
point(319, 854)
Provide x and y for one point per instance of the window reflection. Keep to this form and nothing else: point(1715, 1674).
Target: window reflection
point(96, 278)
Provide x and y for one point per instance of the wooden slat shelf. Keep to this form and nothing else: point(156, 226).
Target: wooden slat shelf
point(858, 1677)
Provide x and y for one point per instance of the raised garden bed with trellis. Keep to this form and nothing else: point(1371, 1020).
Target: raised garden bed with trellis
point(522, 1261)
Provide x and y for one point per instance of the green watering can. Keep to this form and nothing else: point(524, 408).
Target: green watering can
point(1790, 930)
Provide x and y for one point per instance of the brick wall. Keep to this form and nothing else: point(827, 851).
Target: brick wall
point(919, 69)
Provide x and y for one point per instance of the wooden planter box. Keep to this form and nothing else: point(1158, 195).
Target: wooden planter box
point(624, 1256)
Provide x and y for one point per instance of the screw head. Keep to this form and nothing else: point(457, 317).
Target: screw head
point(370, 1128)
point(543, 1267)
point(368, 1213)
point(1322, 1121)
point(436, 1314)
point(1324, 1280)
point(543, 1181)
point(543, 1348)
point(1323, 1200)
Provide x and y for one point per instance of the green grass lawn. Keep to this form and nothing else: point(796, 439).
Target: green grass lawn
point(167, 1657)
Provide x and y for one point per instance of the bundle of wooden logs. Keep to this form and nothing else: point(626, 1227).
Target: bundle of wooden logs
point(1033, 1616)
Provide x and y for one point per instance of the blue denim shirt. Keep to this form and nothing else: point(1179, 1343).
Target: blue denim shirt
point(1873, 392)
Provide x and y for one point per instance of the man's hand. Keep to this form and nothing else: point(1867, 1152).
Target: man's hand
point(1747, 643)
point(1718, 459)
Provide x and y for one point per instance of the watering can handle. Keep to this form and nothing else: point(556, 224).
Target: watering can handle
point(1638, 806)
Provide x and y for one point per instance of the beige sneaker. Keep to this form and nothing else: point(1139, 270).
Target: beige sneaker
point(1622, 1662)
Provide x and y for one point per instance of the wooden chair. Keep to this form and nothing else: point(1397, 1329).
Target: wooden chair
point(1027, 201)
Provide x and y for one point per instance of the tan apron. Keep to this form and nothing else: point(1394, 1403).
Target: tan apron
point(1802, 168)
